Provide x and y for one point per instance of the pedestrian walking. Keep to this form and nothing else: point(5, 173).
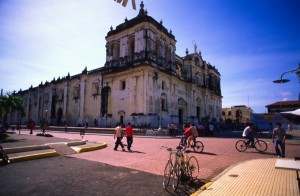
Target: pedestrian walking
point(118, 135)
point(66, 126)
point(171, 130)
point(43, 126)
point(278, 139)
point(129, 136)
point(19, 128)
point(31, 125)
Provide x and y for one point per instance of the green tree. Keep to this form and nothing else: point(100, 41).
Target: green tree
point(10, 102)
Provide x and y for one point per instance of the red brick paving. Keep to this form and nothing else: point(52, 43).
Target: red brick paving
point(148, 156)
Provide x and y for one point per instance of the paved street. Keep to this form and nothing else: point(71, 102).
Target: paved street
point(109, 172)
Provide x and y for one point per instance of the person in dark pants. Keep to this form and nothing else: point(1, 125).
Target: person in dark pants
point(118, 134)
point(129, 136)
point(278, 139)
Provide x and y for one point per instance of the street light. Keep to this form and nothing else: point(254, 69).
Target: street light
point(297, 71)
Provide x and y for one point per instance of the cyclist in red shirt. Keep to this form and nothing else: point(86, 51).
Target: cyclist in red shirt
point(186, 134)
point(129, 136)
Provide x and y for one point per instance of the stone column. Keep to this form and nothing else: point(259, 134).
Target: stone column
point(65, 104)
point(82, 99)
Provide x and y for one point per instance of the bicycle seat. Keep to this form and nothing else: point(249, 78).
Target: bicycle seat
point(179, 147)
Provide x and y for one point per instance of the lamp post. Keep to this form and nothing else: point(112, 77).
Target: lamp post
point(297, 71)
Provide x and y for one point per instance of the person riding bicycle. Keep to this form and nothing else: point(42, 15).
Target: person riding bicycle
point(249, 133)
point(186, 134)
point(194, 134)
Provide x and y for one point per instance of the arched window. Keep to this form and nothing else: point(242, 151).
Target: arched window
point(76, 91)
point(167, 53)
point(158, 47)
point(60, 95)
point(116, 50)
point(197, 61)
point(46, 97)
point(163, 102)
point(130, 46)
point(96, 88)
point(238, 114)
point(110, 49)
point(163, 85)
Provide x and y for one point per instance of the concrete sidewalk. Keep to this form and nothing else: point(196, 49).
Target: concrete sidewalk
point(254, 177)
point(28, 147)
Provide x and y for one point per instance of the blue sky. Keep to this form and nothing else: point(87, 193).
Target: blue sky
point(251, 42)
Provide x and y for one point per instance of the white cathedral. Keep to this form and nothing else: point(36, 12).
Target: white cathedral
point(143, 82)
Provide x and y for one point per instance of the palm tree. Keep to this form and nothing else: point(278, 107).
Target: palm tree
point(10, 102)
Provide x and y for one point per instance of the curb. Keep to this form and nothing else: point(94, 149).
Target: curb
point(25, 149)
point(89, 148)
point(51, 153)
point(202, 188)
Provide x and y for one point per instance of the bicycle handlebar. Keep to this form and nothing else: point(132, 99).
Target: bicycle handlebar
point(166, 147)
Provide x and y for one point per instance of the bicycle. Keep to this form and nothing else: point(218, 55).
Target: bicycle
point(259, 145)
point(196, 145)
point(168, 171)
point(185, 168)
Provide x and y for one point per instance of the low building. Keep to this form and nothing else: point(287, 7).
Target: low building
point(237, 114)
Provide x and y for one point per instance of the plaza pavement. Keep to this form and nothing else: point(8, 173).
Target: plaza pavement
point(253, 177)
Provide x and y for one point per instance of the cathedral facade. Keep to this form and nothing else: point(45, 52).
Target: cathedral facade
point(143, 82)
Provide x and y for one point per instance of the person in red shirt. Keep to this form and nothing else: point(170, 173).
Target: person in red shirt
point(129, 136)
point(187, 134)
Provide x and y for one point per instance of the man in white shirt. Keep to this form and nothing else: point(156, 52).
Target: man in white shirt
point(118, 134)
point(248, 133)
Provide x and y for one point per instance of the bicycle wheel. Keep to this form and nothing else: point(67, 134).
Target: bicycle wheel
point(167, 174)
point(192, 167)
point(260, 145)
point(198, 146)
point(241, 145)
point(176, 176)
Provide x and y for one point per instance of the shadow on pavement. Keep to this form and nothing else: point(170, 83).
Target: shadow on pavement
point(186, 188)
point(135, 151)
point(207, 153)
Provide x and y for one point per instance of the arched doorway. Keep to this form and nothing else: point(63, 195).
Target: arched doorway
point(121, 114)
point(181, 110)
point(104, 100)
